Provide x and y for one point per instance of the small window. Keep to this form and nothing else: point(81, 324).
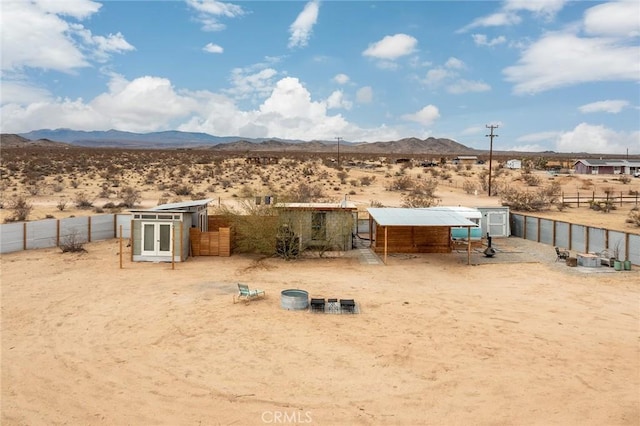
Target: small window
point(319, 226)
point(165, 216)
point(148, 216)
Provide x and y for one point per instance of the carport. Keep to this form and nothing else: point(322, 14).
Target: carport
point(415, 230)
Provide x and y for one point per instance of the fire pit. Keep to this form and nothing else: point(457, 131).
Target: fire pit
point(294, 299)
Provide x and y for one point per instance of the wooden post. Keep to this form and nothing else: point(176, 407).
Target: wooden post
point(181, 242)
point(578, 198)
point(468, 244)
point(89, 229)
point(57, 232)
point(620, 198)
point(626, 246)
point(538, 230)
point(132, 239)
point(24, 235)
point(553, 232)
point(120, 246)
point(115, 224)
point(586, 239)
point(570, 235)
point(385, 243)
point(524, 226)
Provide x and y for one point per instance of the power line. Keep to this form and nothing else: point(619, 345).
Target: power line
point(491, 136)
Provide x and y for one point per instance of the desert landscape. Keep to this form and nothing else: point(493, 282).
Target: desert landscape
point(521, 339)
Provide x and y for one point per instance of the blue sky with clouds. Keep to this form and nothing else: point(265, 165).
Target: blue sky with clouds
point(553, 74)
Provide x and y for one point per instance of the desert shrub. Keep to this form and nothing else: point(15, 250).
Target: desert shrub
point(367, 180)
point(421, 195)
point(634, 216)
point(342, 175)
point(531, 179)
point(522, 200)
point(72, 243)
point(255, 227)
point(305, 193)
point(625, 179)
point(401, 183)
point(61, 204)
point(130, 196)
point(469, 186)
point(83, 201)
point(604, 206)
point(376, 203)
point(21, 208)
point(182, 189)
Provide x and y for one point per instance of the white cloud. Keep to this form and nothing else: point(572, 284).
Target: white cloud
point(152, 104)
point(426, 116)
point(610, 106)
point(210, 12)
point(598, 139)
point(21, 93)
point(32, 37)
point(437, 76)
point(302, 27)
point(482, 40)
point(341, 78)
point(466, 86)
point(618, 19)
point(508, 13)
point(549, 136)
point(337, 100)
point(78, 9)
point(143, 104)
point(454, 63)
point(364, 95)
point(213, 48)
point(249, 83)
point(392, 47)
point(560, 59)
point(498, 19)
point(545, 8)
point(528, 148)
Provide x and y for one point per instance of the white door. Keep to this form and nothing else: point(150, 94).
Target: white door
point(156, 239)
point(497, 224)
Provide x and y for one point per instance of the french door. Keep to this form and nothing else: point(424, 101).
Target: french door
point(157, 239)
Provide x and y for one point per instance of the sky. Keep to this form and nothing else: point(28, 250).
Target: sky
point(553, 75)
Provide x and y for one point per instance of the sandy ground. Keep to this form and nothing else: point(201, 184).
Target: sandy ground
point(517, 339)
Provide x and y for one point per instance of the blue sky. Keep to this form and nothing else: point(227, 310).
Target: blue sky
point(552, 74)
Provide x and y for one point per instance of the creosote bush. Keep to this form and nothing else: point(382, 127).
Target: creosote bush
point(72, 243)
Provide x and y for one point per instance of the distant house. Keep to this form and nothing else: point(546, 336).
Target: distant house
point(161, 234)
point(320, 225)
point(606, 167)
point(465, 159)
point(513, 164)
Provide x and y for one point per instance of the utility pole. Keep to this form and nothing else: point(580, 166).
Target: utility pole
point(491, 136)
point(339, 139)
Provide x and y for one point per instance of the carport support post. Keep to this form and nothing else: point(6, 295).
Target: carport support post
point(173, 247)
point(468, 245)
point(385, 244)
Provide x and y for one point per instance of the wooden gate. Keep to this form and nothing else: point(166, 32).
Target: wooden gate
point(216, 243)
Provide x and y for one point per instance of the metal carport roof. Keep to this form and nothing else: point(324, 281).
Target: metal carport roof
point(396, 216)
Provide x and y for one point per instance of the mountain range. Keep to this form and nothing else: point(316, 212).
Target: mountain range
point(177, 139)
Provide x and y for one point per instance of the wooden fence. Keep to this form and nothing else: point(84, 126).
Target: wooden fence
point(213, 243)
point(609, 197)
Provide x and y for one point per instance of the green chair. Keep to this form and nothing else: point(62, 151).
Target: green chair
point(246, 294)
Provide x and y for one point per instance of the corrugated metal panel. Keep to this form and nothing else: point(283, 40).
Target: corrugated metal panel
point(390, 216)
